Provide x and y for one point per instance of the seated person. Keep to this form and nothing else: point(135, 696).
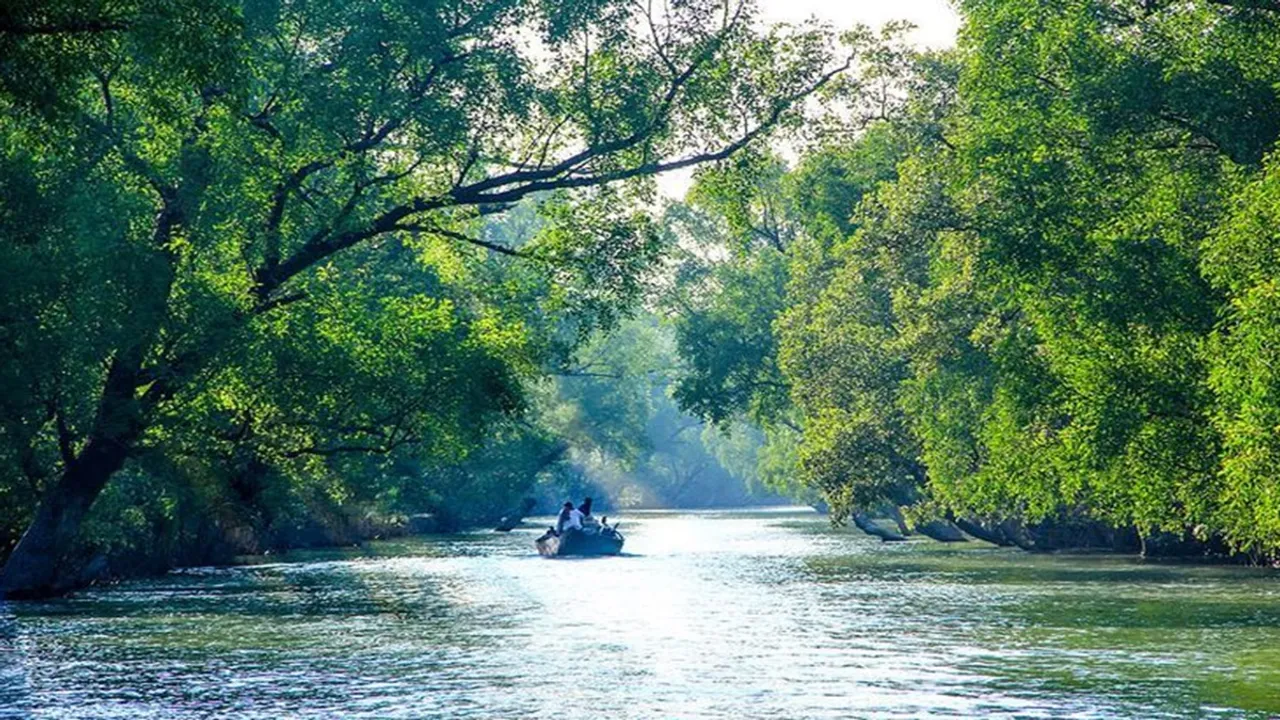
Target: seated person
point(569, 518)
point(589, 523)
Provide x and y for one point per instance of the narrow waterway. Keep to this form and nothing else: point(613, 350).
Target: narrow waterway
point(763, 614)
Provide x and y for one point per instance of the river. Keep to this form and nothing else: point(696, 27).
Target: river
point(762, 614)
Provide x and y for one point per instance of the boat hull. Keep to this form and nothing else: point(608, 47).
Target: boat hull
point(575, 543)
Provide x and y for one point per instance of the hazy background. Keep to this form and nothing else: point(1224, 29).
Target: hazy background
point(935, 20)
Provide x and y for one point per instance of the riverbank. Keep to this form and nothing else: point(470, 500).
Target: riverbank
point(226, 538)
point(1064, 535)
point(206, 545)
point(214, 546)
point(134, 535)
point(138, 537)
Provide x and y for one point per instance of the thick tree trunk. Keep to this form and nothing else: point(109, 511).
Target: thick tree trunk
point(38, 560)
point(34, 567)
point(941, 530)
point(995, 536)
point(869, 526)
point(896, 516)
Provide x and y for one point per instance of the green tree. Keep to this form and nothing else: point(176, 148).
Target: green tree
point(197, 180)
point(1087, 172)
point(1049, 314)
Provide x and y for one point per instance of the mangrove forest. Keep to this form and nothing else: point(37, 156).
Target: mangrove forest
point(287, 273)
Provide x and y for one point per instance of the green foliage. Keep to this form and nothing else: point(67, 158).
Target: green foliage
point(1041, 287)
point(286, 266)
point(729, 345)
point(248, 240)
point(1089, 197)
point(1241, 258)
point(748, 325)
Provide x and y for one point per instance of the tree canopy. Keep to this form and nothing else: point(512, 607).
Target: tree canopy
point(1044, 297)
point(256, 228)
point(272, 263)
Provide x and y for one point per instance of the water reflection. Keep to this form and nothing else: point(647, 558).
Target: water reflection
point(714, 615)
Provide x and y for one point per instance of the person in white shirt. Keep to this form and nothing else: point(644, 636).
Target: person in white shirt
point(569, 517)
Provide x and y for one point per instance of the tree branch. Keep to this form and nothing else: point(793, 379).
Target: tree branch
point(272, 304)
point(278, 200)
point(588, 374)
point(461, 237)
point(66, 442)
point(508, 188)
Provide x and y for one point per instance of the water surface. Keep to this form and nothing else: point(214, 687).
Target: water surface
point(766, 614)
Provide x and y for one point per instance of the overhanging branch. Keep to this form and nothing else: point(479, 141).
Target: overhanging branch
point(505, 189)
point(461, 237)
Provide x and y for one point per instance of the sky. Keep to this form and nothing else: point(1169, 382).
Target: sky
point(935, 20)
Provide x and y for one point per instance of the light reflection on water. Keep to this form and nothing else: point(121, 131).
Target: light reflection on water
point(710, 615)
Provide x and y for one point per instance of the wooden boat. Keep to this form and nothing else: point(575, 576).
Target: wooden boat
point(576, 542)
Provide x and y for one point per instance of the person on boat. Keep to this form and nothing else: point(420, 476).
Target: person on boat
point(570, 518)
point(604, 527)
point(562, 519)
point(589, 523)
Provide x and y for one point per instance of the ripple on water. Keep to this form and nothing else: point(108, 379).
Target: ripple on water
point(712, 615)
